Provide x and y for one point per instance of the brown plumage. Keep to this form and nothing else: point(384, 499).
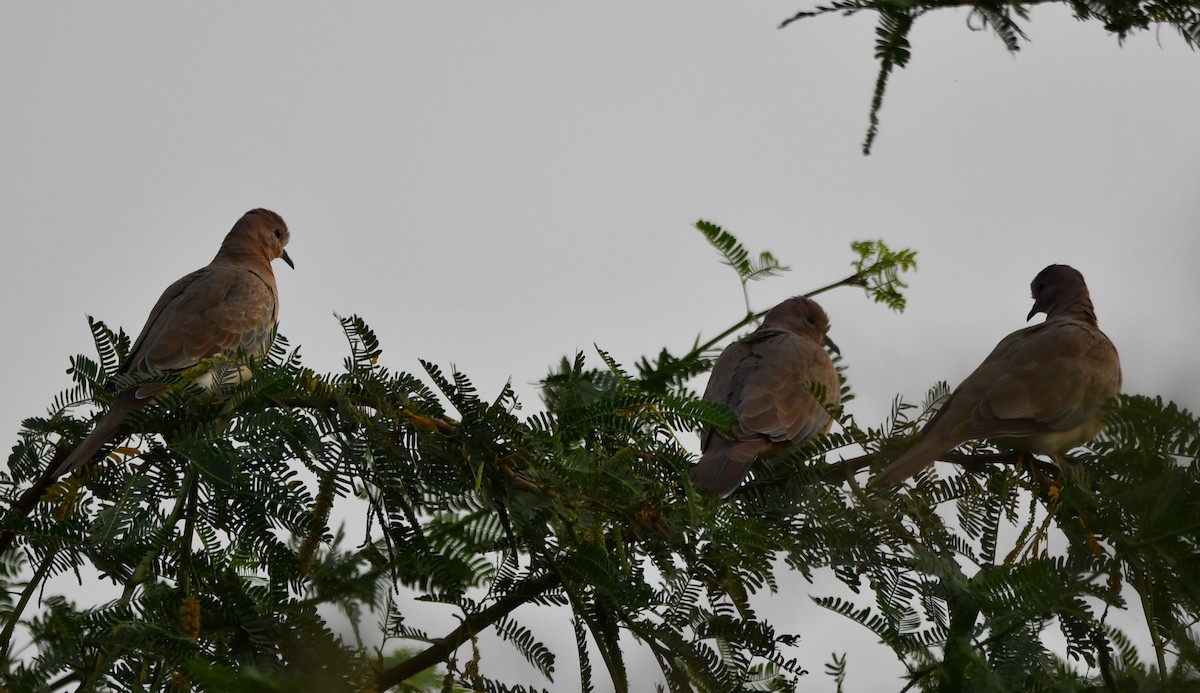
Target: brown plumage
point(228, 306)
point(765, 377)
point(1040, 389)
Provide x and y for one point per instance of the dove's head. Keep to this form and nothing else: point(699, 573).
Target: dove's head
point(1060, 290)
point(261, 235)
point(804, 317)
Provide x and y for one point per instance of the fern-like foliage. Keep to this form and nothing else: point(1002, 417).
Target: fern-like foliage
point(896, 19)
point(736, 256)
point(212, 522)
point(878, 269)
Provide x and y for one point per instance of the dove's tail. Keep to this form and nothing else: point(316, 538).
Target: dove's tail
point(925, 452)
point(104, 431)
point(724, 465)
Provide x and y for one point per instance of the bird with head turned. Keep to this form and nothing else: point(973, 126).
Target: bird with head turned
point(768, 379)
point(228, 307)
point(1040, 390)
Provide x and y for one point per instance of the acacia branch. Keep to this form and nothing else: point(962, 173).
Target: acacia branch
point(471, 626)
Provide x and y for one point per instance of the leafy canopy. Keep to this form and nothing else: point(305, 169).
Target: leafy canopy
point(213, 522)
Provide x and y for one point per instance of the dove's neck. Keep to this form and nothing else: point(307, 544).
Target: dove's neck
point(777, 328)
point(235, 251)
point(1080, 310)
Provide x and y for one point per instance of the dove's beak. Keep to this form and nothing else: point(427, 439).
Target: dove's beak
point(1038, 307)
point(287, 259)
point(832, 347)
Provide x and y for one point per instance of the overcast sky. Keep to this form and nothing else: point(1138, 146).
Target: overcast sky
point(497, 185)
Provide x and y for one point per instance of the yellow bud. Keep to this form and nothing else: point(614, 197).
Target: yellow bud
point(189, 617)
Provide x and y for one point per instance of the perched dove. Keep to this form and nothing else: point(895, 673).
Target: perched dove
point(767, 378)
point(1040, 389)
point(230, 305)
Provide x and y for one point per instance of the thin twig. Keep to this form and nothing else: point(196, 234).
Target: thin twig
point(856, 279)
point(142, 572)
point(471, 625)
point(26, 595)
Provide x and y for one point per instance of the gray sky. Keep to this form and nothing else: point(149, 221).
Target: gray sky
point(497, 185)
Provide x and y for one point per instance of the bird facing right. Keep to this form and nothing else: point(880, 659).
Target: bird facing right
point(768, 378)
point(1040, 390)
point(229, 306)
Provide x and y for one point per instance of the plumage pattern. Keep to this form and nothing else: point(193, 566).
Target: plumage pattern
point(229, 306)
point(1041, 388)
point(766, 378)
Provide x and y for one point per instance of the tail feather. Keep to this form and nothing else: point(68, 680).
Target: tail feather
point(923, 453)
point(105, 430)
point(724, 465)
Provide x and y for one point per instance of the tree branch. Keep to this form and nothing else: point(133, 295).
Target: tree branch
point(471, 625)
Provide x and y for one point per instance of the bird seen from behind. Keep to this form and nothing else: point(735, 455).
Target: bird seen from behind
point(1040, 390)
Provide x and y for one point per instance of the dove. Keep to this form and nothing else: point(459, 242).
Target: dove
point(767, 378)
point(1039, 391)
point(229, 306)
